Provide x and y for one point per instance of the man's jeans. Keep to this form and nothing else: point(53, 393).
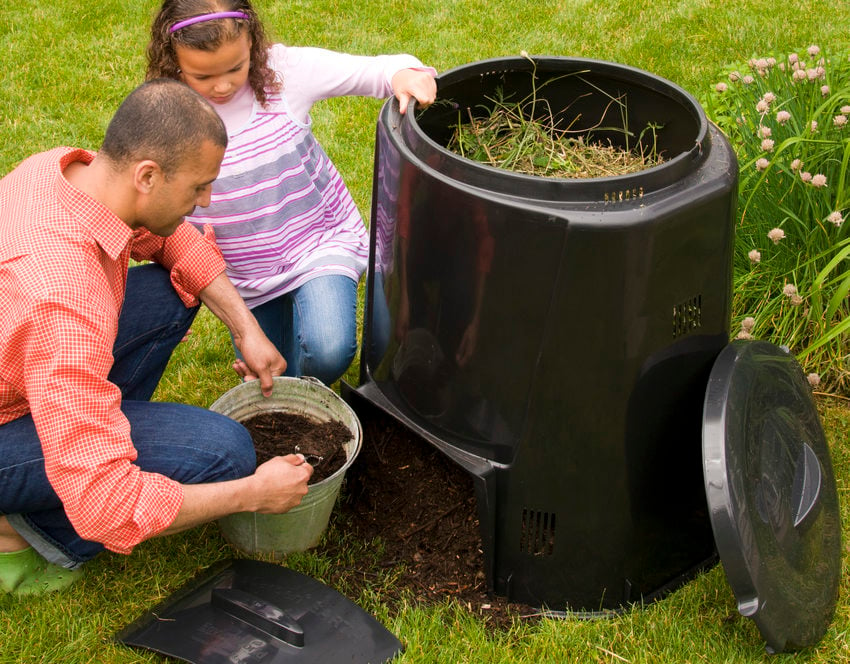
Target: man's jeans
point(189, 444)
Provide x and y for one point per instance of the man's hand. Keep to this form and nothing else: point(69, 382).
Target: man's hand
point(276, 486)
point(261, 359)
point(282, 483)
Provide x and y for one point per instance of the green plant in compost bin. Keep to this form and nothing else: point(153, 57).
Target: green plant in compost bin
point(787, 120)
point(528, 136)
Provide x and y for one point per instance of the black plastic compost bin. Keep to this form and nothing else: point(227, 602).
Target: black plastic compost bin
point(554, 337)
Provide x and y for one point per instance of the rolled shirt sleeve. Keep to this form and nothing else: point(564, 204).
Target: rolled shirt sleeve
point(192, 257)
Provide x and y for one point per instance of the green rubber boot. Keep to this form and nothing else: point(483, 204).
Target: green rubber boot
point(27, 573)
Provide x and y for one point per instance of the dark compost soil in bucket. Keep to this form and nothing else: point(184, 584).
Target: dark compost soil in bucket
point(277, 433)
point(422, 508)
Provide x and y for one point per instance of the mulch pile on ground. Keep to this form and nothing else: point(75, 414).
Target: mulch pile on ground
point(422, 507)
point(404, 492)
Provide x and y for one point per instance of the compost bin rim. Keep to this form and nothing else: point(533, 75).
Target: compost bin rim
point(609, 189)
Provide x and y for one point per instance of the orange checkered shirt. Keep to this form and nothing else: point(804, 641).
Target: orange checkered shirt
point(63, 271)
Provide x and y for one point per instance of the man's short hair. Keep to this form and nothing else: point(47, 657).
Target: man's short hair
point(163, 120)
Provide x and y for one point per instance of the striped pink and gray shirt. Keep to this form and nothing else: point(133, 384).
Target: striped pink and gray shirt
point(281, 212)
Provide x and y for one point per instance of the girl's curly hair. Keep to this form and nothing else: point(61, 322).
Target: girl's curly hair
point(208, 36)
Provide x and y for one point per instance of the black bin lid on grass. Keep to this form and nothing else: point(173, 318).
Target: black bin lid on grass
point(249, 611)
point(771, 494)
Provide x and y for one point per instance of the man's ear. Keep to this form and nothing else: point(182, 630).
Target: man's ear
point(146, 175)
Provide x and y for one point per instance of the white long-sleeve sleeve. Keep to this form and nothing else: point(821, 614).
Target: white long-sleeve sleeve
point(311, 74)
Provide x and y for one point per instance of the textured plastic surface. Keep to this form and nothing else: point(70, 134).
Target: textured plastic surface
point(300, 528)
point(553, 336)
point(251, 612)
point(771, 494)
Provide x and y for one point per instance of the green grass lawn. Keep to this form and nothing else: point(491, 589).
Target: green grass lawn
point(66, 66)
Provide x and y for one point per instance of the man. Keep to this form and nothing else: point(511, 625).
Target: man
point(86, 460)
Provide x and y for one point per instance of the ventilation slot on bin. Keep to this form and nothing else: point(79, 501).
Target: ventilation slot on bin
point(538, 533)
point(687, 316)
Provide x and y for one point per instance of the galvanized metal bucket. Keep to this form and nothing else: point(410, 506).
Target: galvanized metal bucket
point(302, 527)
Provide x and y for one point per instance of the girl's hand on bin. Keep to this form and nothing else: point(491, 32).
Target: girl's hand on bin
point(416, 84)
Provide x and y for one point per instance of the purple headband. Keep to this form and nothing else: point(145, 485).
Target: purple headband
point(206, 17)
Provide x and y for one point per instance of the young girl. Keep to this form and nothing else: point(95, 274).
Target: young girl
point(293, 240)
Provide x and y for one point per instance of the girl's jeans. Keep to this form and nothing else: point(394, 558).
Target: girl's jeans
point(314, 327)
point(191, 445)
